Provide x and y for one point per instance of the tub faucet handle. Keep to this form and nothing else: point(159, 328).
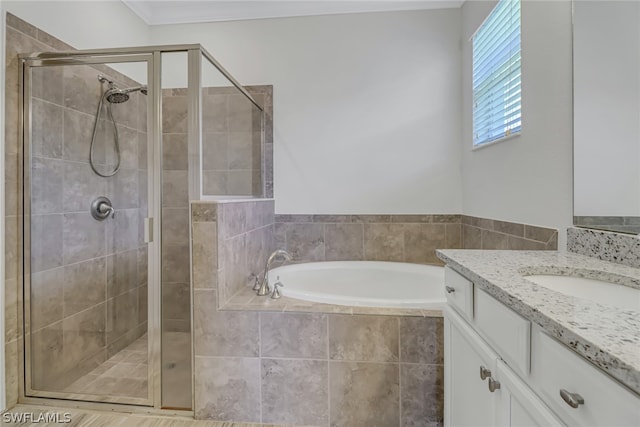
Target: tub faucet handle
point(256, 282)
point(276, 292)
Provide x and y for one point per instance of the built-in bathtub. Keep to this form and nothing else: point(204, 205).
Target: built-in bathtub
point(363, 284)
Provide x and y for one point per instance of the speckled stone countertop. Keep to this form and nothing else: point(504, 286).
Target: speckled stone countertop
point(607, 336)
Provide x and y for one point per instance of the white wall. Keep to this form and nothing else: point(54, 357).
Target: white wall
point(366, 106)
point(607, 108)
point(527, 179)
point(84, 24)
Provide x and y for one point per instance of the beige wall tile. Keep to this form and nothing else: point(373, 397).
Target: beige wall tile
point(214, 113)
point(175, 264)
point(174, 114)
point(84, 333)
point(81, 186)
point(176, 301)
point(227, 389)
point(305, 242)
point(223, 333)
point(494, 240)
point(175, 189)
point(471, 237)
point(293, 335)
point(421, 242)
point(295, 392)
point(46, 129)
point(46, 186)
point(122, 316)
point(384, 242)
point(175, 151)
point(84, 285)
point(453, 236)
point(421, 394)
point(344, 242)
point(47, 230)
point(364, 394)
point(259, 244)
point(214, 150)
point(205, 254)
point(421, 340)
point(363, 338)
point(175, 226)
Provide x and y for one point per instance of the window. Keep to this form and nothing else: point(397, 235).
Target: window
point(496, 75)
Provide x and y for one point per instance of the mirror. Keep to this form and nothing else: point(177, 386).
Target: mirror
point(606, 109)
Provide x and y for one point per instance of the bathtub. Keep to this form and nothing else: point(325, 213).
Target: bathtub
point(363, 283)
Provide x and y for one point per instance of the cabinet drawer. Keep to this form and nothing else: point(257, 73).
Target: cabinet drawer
point(459, 292)
point(505, 330)
point(554, 367)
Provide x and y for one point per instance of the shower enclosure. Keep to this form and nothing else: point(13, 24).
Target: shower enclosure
point(116, 143)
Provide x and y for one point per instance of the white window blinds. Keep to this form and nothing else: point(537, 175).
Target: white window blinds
point(496, 74)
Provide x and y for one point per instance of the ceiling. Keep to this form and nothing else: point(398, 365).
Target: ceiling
point(158, 12)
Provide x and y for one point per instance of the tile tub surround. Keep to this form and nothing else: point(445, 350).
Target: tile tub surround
point(485, 233)
point(608, 246)
point(60, 172)
point(401, 238)
point(301, 368)
point(606, 336)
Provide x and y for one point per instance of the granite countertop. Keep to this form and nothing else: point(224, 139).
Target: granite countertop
point(607, 336)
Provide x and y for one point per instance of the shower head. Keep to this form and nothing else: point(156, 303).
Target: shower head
point(116, 96)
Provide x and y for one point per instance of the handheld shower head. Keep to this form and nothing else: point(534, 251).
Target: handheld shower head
point(116, 96)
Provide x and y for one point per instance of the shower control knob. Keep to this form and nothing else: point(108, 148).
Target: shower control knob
point(101, 208)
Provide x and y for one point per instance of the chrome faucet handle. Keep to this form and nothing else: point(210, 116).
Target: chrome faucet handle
point(276, 292)
point(256, 282)
point(101, 208)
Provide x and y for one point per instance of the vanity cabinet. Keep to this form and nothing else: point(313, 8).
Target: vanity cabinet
point(502, 371)
point(480, 389)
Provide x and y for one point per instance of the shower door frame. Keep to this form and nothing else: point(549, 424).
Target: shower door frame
point(153, 229)
point(152, 317)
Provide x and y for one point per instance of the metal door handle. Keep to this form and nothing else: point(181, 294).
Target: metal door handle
point(449, 289)
point(572, 399)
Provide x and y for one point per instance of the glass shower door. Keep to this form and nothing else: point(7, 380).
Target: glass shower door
point(86, 200)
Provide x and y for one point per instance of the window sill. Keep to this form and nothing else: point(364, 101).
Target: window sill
point(497, 141)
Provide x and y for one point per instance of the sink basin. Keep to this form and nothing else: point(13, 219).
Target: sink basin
point(594, 290)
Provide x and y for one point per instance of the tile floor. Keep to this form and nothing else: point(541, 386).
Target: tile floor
point(81, 418)
point(123, 374)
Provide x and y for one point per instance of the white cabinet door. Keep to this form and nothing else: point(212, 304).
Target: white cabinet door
point(518, 405)
point(468, 401)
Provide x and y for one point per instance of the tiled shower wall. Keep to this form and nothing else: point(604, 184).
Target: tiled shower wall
point(232, 146)
point(300, 368)
point(175, 213)
point(89, 281)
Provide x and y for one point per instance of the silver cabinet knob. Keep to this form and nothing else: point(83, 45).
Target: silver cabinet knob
point(493, 385)
point(572, 399)
point(449, 289)
point(484, 373)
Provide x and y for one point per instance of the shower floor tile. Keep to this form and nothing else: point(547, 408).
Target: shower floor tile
point(124, 374)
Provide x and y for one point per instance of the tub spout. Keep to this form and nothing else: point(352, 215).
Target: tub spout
point(264, 288)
